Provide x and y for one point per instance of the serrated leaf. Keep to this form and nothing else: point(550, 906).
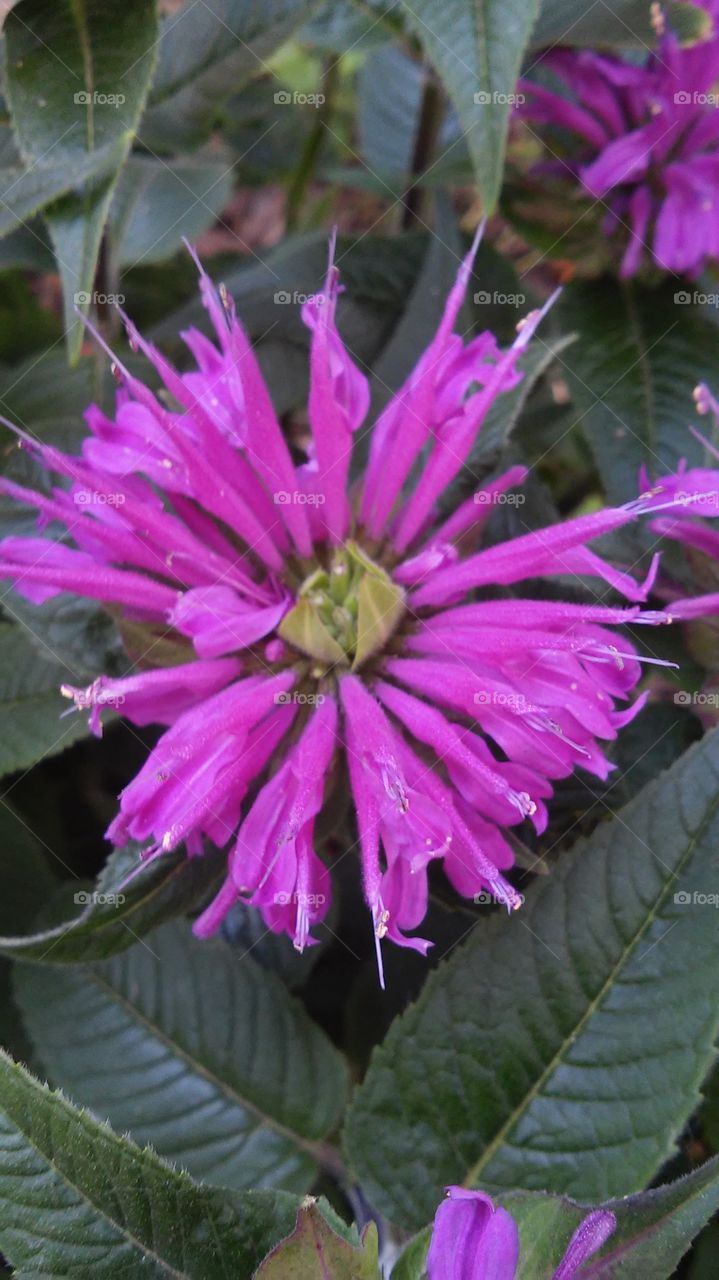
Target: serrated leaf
point(639, 356)
point(476, 47)
point(205, 1058)
point(31, 704)
point(75, 1199)
point(99, 922)
point(654, 1230)
point(315, 1252)
point(579, 1077)
point(77, 78)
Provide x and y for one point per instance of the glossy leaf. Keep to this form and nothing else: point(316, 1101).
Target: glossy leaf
point(580, 1077)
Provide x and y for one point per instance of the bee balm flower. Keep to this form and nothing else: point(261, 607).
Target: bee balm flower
point(312, 618)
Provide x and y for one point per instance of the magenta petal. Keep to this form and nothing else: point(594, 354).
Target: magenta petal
point(589, 1236)
point(472, 1240)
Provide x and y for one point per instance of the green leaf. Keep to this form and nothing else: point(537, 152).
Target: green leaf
point(157, 202)
point(221, 1069)
point(102, 921)
point(75, 1199)
point(624, 23)
point(654, 1230)
point(77, 78)
point(195, 39)
point(476, 47)
point(315, 1252)
point(640, 354)
point(31, 704)
point(25, 191)
point(579, 1077)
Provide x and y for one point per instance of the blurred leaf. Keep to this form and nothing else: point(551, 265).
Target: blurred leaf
point(625, 22)
point(654, 1230)
point(77, 77)
point(24, 191)
point(77, 1199)
point(99, 922)
point(579, 1078)
point(31, 704)
point(315, 1252)
point(158, 202)
point(221, 1070)
point(640, 354)
point(341, 26)
point(477, 49)
point(389, 94)
point(195, 39)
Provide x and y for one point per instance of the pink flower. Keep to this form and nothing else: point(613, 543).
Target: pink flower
point(643, 140)
point(318, 617)
point(473, 1239)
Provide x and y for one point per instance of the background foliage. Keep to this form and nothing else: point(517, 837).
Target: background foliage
point(560, 1058)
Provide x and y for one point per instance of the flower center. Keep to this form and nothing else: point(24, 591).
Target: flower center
point(345, 612)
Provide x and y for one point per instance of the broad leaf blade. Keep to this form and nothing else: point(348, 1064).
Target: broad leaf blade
point(75, 1199)
point(476, 47)
point(90, 68)
point(100, 922)
point(578, 1078)
point(31, 703)
point(632, 373)
point(315, 1252)
point(205, 1058)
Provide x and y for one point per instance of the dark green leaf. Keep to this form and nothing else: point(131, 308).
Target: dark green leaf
point(75, 1199)
point(31, 703)
point(476, 47)
point(579, 1077)
point(624, 22)
point(202, 1056)
point(157, 202)
point(77, 77)
point(639, 355)
point(101, 921)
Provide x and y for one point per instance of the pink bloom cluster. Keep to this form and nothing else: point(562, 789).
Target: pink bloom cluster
point(642, 138)
point(314, 619)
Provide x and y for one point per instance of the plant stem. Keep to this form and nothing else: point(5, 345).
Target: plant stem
point(430, 121)
point(313, 145)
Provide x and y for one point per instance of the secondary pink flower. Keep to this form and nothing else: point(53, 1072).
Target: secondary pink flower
point(311, 617)
point(642, 139)
point(473, 1239)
